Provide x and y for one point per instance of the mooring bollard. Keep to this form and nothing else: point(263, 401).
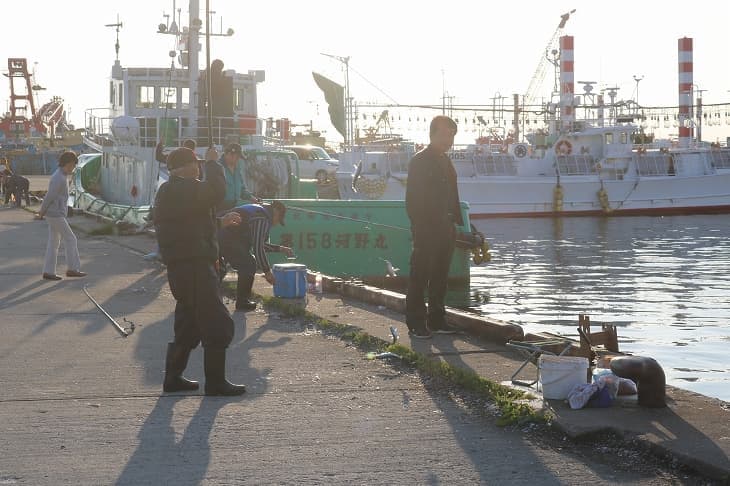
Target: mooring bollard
point(648, 375)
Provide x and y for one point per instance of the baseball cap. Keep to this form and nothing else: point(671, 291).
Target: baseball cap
point(179, 157)
point(233, 148)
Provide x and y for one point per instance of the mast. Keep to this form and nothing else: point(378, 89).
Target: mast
point(208, 80)
point(193, 71)
point(348, 101)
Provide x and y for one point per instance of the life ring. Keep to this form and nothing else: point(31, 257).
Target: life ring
point(563, 147)
point(520, 151)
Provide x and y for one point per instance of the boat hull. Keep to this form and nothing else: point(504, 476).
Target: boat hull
point(647, 196)
point(518, 196)
point(354, 238)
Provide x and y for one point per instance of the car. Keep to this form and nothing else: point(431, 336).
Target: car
point(314, 162)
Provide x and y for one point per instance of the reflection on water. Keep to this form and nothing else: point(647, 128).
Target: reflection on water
point(662, 281)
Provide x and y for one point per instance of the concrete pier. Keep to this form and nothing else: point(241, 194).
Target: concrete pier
point(83, 405)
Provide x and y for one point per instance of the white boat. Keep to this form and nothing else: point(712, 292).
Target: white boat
point(153, 104)
point(583, 167)
point(120, 181)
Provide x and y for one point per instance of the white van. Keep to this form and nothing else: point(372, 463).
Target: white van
point(314, 162)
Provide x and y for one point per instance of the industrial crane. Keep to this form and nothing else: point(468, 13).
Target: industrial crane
point(539, 76)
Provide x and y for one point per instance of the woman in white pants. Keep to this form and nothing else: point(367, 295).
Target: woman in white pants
point(54, 209)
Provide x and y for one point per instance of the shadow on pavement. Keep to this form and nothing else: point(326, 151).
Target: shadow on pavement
point(160, 458)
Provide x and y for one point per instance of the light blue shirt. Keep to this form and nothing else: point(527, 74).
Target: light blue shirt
point(236, 191)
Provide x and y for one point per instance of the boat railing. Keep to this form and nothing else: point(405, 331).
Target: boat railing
point(576, 164)
point(494, 164)
point(720, 158)
point(398, 162)
point(172, 130)
point(655, 164)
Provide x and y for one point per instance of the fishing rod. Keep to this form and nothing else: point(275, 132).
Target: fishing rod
point(207, 74)
point(337, 216)
point(122, 331)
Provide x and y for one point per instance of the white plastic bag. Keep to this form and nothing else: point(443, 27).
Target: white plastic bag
point(604, 377)
point(580, 394)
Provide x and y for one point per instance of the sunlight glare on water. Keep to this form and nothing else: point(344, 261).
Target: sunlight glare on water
point(663, 281)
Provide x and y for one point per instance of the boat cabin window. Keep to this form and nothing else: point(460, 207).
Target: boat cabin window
point(239, 95)
point(111, 92)
point(120, 90)
point(609, 138)
point(184, 98)
point(145, 96)
point(168, 96)
point(624, 138)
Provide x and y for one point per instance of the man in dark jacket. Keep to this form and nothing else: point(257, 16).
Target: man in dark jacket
point(432, 202)
point(186, 230)
point(19, 187)
point(244, 246)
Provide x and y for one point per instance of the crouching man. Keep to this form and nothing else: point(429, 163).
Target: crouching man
point(244, 246)
point(186, 230)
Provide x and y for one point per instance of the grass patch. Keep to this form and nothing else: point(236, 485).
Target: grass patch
point(103, 230)
point(509, 401)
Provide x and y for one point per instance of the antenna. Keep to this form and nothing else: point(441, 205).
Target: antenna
point(118, 25)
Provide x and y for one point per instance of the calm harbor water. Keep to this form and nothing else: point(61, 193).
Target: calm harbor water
point(663, 281)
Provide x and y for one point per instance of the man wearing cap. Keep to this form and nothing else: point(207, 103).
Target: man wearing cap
point(186, 230)
point(244, 246)
point(432, 204)
point(236, 192)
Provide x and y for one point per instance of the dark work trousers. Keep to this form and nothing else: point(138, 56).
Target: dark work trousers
point(430, 262)
point(20, 191)
point(237, 250)
point(200, 315)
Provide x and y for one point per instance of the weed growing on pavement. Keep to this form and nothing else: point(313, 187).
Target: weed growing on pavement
point(103, 230)
point(510, 402)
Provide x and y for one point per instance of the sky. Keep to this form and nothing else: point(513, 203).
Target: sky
point(408, 52)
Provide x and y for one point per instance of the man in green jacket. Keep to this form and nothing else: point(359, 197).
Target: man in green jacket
point(236, 191)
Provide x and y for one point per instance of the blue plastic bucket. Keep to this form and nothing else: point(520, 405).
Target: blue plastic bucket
point(290, 280)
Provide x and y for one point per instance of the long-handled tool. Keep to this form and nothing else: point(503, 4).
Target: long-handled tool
point(120, 329)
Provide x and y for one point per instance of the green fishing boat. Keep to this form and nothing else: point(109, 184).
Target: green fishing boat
point(343, 238)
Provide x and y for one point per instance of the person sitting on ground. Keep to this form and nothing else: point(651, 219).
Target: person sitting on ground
point(244, 246)
point(19, 187)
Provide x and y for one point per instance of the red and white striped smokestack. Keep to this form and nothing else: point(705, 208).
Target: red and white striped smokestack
point(567, 77)
point(685, 91)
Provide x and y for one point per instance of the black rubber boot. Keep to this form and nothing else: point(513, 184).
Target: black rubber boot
point(214, 361)
point(175, 363)
point(243, 293)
